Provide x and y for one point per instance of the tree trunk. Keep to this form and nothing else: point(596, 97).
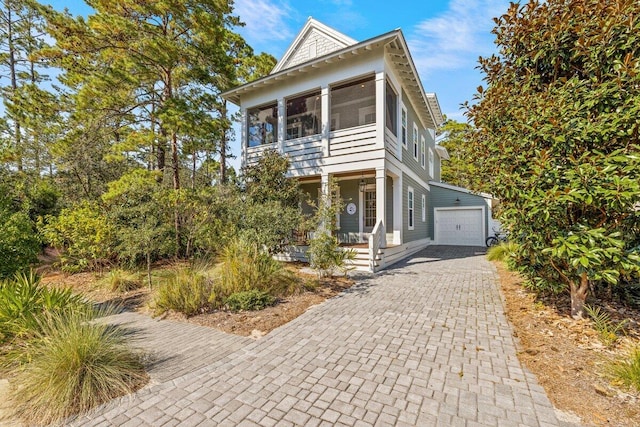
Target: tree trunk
point(223, 146)
point(579, 296)
point(14, 84)
point(194, 159)
point(149, 268)
point(175, 164)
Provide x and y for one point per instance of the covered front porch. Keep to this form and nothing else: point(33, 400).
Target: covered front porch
point(372, 205)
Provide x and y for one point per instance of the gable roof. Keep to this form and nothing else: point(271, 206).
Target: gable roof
point(314, 39)
point(395, 47)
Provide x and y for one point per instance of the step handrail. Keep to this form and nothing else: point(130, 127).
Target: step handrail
point(375, 242)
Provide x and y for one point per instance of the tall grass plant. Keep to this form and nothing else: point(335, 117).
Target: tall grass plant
point(74, 365)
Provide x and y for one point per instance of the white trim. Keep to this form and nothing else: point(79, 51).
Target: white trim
point(442, 152)
point(423, 154)
point(390, 160)
point(361, 215)
point(411, 208)
point(424, 207)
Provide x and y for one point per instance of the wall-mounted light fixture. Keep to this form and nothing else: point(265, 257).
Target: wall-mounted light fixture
point(363, 184)
point(456, 201)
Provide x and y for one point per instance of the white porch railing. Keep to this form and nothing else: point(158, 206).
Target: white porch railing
point(375, 242)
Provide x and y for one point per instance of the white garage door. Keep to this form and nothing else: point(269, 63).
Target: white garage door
point(459, 226)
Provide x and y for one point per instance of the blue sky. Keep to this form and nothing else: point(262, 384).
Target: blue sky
point(445, 37)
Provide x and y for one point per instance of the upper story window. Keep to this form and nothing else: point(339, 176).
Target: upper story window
point(415, 142)
point(304, 115)
point(404, 127)
point(410, 208)
point(353, 104)
point(391, 109)
point(422, 152)
point(262, 125)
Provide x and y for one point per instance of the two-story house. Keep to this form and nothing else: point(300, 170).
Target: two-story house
point(357, 111)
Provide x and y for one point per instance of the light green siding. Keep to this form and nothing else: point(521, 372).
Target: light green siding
point(349, 224)
point(420, 229)
point(310, 192)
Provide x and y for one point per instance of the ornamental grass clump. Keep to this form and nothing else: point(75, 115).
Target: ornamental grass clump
point(123, 281)
point(244, 267)
point(187, 292)
point(626, 370)
point(75, 363)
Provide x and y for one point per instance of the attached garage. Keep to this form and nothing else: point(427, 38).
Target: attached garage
point(460, 226)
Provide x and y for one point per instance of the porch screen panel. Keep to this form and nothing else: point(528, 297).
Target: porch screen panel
point(304, 115)
point(262, 125)
point(353, 104)
point(391, 109)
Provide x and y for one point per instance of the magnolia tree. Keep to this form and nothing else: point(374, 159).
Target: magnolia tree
point(557, 129)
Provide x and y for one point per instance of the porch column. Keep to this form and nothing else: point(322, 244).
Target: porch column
point(281, 124)
point(325, 119)
point(244, 137)
point(397, 210)
point(324, 189)
point(381, 205)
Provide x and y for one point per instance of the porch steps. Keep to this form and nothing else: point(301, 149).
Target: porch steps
point(361, 261)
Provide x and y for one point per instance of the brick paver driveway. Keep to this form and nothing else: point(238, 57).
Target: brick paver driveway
point(424, 343)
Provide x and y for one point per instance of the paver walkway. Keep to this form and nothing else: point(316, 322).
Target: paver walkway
point(424, 343)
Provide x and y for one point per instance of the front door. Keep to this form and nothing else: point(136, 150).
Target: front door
point(369, 211)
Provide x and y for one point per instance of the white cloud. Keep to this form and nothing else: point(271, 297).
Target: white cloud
point(457, 37)
point(266, 20)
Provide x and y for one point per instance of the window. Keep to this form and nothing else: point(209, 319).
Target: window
point(431, 169)
point(391, 109)
point(262, 125)
point(304, 115)
point(415, 141)
point(422, 153)
point(367, 115)
point(424, 208)
point(370, 208)
point(353, 104)
point(404, 127)
point(410, 208)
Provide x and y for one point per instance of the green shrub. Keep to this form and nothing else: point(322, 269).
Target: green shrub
point(249, 300)
point(123, 281)
point(19, 243)
point(626, 370)
point(244, 267)
point(84, 236)
point(187, 291)
point(74, 365)
point(24, 302)
point(326, 256)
